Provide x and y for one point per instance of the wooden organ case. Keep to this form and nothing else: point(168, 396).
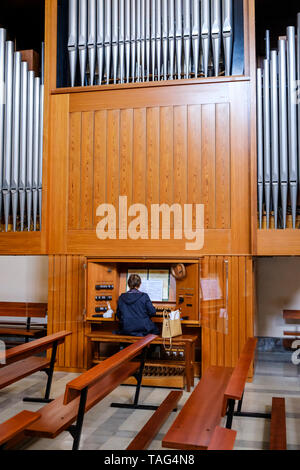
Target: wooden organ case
point(107, 279)
point(190, 140)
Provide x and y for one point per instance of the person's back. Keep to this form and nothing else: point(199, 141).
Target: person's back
point(135, 310)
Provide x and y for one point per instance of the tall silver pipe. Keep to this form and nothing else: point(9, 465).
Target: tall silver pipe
point(292, 120)
point(171, 34)
point(143, 39)
point(82, 38)
point(196, 35)
point(23, 141)
point(29, 152)
point(92, 38)
point(216, 33)
point(158, 37)
point(138, 40)
point(267, 44)
point(127, 39)
point(283, 128)
point(122, 40)
point(205, 34)
point(35, 154)
point(16, 137)
point(153, 37)
point(148, 38)
point(73, 39)
point(2, 109)
point(274, 134)
point(267, 140)
point(133, 39)
point(115, 37)
point(227, 20)
point(187, 37)
point(178, 33)
point(9, 67)
point(107, 39)
point(41, 146)
point(298, 89)
point(165, 39)
point(100, 39)
point(260, 145)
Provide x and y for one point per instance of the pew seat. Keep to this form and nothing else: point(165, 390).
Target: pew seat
point(15, 425)
point(278, 425)
point(222, 439)
point(84, 392)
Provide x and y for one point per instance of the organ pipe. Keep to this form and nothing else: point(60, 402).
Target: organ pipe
point(21, 140)
point(143, 40)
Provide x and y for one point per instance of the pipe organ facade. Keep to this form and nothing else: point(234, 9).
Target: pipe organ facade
point(129, 41)
point(21, 141)
point(161, 101)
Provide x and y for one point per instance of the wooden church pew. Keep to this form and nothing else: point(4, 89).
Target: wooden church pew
point(15, 425)
point(21, 361)
point(278, 425)
point(195, 425)
point(84, 392)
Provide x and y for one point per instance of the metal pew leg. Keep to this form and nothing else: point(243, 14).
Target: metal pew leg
point(76, 429)
point(49, 372)
point(138, 376)
point(230, 413)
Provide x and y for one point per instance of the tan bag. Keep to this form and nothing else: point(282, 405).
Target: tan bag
point(171, 328)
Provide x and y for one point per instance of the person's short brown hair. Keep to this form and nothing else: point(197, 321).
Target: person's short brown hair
point(134, 281)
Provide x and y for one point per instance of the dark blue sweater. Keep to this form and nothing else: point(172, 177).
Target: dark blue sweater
point(134, 311)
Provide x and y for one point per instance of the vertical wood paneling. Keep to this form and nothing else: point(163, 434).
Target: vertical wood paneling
point(139, 156)
point(126, 154)
point(65, 307)
point(223, 189)
point(87, 171)
point(153, 156)
point(208, 184)
point(180, 155)
point(100, 161)
point(166, 164)
point(113, 157)
point(74, 171)
point(166, 155)
point(224, 349)
point(194, 156)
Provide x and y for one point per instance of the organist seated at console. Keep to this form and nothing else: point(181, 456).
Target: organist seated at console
point(135, 310)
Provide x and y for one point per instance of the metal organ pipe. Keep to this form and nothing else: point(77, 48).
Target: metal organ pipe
point(21, 140)
point(144, 39)
point(278, 158)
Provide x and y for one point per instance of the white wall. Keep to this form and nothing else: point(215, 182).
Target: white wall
point(24, 278)
point(277, 288)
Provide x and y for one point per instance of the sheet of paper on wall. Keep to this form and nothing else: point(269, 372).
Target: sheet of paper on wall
point(143, 273)
point(211, 289)
point(154, 288)
point(164, 275)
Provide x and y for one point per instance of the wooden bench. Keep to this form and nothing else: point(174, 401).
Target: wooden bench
point(185, 341)
point(278, 425)
point(151, 428)
point(217, 390)
point(15, 425)
point(222, 439)
point(21, 361)
point(82, 393)
point(22, 311)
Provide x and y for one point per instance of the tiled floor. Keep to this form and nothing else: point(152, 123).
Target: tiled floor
point(112, 429)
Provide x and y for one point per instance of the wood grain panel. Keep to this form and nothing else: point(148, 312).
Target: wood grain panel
point(66, 308)
point(223, 189)
point(166, 164)
point(74, 171)
point(180, 155)
point(113, 157)
point(208, 182)
point(219, 348)
point(87, 171)
point(139, 156)
point(126, 154)
point(153, 155)
point(100, 160)
point(194, 163)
